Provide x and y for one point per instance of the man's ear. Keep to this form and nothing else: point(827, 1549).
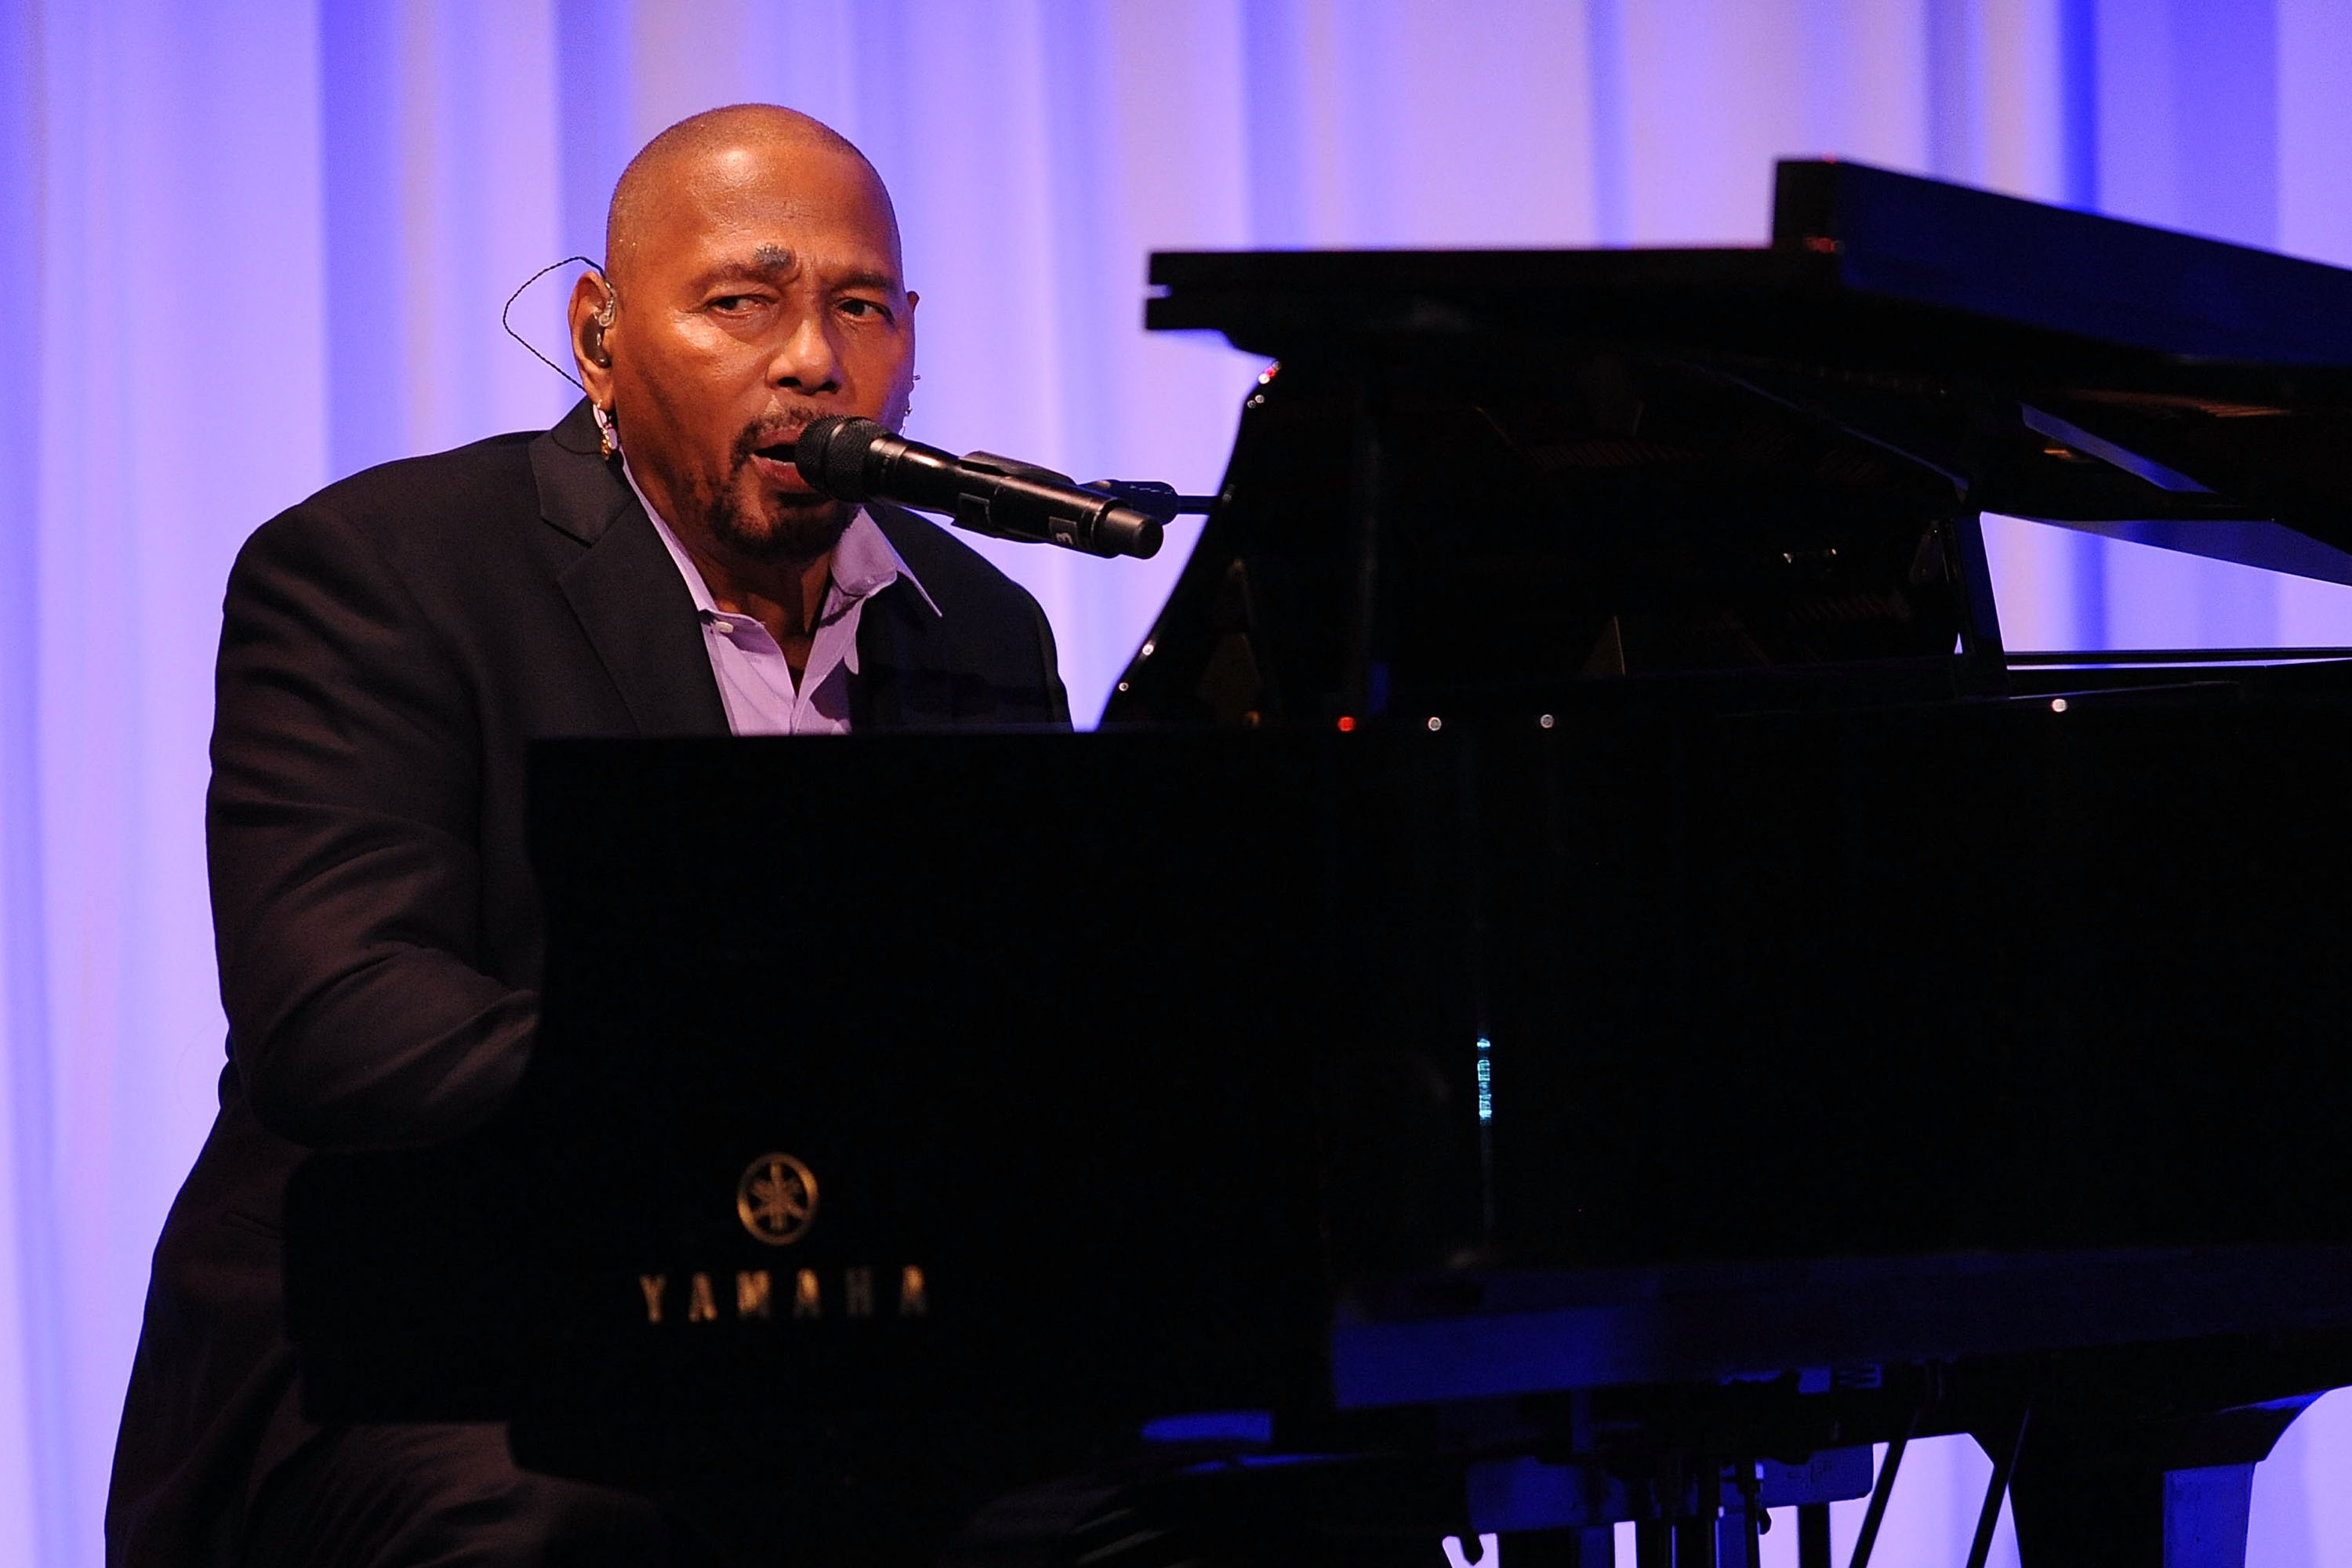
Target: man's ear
point(591, 315)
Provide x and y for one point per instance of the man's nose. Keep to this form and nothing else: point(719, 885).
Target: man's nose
point(805, 360)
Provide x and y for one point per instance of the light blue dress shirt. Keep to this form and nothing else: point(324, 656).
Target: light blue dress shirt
point(755, 680)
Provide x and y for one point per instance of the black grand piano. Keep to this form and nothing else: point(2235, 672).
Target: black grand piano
point(1578, 980)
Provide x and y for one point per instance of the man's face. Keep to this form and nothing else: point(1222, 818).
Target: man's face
point(761, 291)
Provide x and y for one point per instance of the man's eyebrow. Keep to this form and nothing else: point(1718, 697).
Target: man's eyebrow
point(867, 278)
point(768, 259)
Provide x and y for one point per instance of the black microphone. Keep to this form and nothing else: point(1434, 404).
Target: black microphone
point(857, 460)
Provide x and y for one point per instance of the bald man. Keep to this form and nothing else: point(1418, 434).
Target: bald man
point(654, 565)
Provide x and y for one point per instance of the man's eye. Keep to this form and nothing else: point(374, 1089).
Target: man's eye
point(735, 304)
point(866, 308)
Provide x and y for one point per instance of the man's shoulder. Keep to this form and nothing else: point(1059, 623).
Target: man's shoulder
point(438, 486)
point(456, 510)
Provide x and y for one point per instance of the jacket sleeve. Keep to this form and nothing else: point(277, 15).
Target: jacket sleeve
point(341, 835)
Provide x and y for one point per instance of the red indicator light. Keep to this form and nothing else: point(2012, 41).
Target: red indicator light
point(1347, 723)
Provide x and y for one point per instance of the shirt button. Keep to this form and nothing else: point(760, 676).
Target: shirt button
point(724, 628)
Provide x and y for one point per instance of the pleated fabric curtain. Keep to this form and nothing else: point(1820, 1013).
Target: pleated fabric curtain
point(247, 248)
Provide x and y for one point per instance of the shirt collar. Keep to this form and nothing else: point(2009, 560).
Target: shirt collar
point(863, 564)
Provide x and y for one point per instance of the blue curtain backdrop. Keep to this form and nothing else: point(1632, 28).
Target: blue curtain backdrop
point(249, 248)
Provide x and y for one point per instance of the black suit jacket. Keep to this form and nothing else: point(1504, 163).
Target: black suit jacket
point(389, 648)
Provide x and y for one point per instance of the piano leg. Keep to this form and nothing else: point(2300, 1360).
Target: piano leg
point(2179, 1519)
point(2206, 1511)
point(2175, 1496)
point(2172, 1517)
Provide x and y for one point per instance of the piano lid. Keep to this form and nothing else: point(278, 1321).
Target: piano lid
point(2106, 375)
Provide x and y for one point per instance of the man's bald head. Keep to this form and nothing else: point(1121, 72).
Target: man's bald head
point(692, 152)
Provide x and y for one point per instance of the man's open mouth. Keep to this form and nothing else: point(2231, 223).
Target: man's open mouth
point(777, 454)
point(773, 445)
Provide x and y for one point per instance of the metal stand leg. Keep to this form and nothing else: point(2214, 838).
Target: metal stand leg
point(2003, 1469)
point(1695, 1543)
point(1813, 1535)
point(1737, 1542)
point(1880, 1491)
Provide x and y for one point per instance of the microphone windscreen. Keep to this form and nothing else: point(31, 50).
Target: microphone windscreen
point(831, 455)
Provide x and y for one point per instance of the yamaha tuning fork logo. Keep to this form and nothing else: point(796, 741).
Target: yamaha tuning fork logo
point(776, 1199)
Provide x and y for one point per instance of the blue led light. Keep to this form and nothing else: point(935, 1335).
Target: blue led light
point(1485, 1080)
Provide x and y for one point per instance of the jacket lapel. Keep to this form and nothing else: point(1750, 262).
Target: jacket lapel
point(905, 673)
point(624, 587)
